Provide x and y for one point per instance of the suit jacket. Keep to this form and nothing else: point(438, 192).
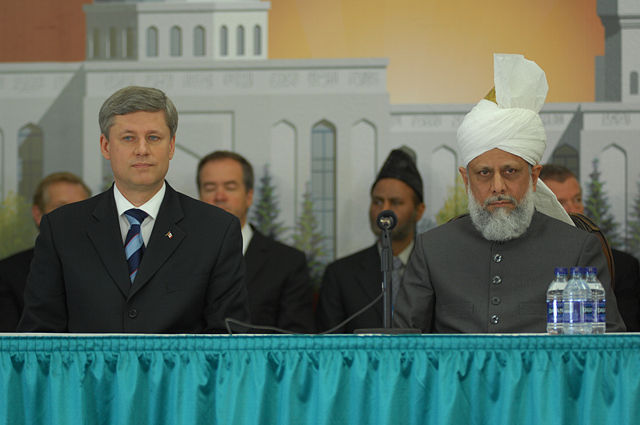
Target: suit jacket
point(190, 278)
point(279, 286)
point(348, 285)
point(13, 278)
point(627, 288)
point(457, 281)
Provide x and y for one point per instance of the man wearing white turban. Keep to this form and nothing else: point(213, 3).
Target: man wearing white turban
point(487, 272)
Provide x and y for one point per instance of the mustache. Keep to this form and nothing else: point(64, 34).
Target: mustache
point(500, 198)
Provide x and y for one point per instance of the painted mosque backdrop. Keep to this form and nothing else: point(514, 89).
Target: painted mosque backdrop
point(317, 129)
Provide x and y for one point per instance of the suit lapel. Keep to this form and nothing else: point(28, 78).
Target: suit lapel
point(104, 233)
point(255, 257)
point(165, 238)
point(370, 277)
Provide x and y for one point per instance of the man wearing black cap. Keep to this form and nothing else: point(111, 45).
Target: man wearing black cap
point(352, 282)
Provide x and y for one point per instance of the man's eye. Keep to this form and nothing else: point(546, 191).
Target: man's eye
point(127, 138)
point(484, 172)
point(154, 138)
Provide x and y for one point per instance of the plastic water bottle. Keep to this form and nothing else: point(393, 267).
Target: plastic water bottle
point(574, 300)
point(599, 319)
point(588, 305)
point(554, 301)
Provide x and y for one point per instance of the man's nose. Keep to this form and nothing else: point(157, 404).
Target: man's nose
point(142, 148)
point(220, 195)
point(497, 184)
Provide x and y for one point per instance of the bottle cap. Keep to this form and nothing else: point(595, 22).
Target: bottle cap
point(593, 270)
point(560, 270)
point(575, 270)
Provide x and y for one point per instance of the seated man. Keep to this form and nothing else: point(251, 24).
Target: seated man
point(139, 257)
point(277, 277)
point(626, 267)
point(488, 272)
point(53, 191)
point(352, 282)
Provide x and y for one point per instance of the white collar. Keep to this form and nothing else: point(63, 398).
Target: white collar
point(151, 207)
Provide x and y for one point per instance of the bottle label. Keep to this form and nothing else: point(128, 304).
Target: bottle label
point(588, 312)
point(602, 317)
point(554, 311)
point(573, 312)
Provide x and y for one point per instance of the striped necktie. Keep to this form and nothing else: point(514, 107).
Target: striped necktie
point(133, 243)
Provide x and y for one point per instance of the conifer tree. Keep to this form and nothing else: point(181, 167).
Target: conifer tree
point(633, 240)
point(266, 210)
point(17, 231)
point(456, 203)
point(308, 238)
point(597, 208)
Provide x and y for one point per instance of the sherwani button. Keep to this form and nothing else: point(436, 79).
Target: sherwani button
point(133, 313)
point(497, 280)
point(495, 319)
point(497, 258)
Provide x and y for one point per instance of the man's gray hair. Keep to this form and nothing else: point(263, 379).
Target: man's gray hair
point(135, 99)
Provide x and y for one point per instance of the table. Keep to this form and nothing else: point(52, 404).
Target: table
point(316, 379)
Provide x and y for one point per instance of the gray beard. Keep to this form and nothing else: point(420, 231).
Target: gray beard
point(502, 225)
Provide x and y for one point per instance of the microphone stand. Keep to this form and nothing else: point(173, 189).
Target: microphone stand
point(386, 260)
point(386, 222)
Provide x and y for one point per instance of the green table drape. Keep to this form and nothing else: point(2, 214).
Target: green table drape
point(338, 379)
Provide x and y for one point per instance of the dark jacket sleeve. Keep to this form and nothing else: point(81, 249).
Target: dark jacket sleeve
point(45, 308)
point(227, 293)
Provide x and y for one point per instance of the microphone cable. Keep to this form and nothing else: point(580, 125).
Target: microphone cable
point(228, 321)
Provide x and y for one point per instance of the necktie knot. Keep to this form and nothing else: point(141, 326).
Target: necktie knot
point(135, 216)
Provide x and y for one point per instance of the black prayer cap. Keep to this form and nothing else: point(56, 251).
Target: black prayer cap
point(401, 165)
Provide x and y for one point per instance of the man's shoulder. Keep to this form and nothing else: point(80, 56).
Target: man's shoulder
point(197, 210)
point(273, 245)
point(552, 227)
point(18, 259)
point(623, 258)
point(366, 255)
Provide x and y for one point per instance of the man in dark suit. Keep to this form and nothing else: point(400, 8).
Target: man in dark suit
point(277, 276)
point(55, 190)
point(139, 257)
point(350, 283)
point(626, 285)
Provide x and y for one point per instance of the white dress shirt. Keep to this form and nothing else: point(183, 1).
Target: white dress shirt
point(151, 207)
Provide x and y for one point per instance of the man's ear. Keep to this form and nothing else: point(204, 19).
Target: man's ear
point(37, 215)
point(464, 175)
point(104, 147)
point(535, 173)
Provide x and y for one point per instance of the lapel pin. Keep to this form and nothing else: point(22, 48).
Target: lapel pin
point(169, 234)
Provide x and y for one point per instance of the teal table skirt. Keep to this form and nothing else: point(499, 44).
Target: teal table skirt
point(340, 379)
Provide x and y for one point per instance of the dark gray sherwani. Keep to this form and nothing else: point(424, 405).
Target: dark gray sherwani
point(457, 281)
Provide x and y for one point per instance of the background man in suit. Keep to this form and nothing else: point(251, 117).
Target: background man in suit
point(53, 191)
point(139, 257)
point(352, 282)
point(567, 189)
point(489, 271)
point(277, 276)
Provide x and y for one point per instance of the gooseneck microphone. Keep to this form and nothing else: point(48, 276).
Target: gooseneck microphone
point(387, 220)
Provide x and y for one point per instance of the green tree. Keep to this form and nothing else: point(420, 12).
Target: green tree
point(633, 239)
point(266, 210)
point(597, 208)
point(456, 203)
point(17, 231)
point(308, 238)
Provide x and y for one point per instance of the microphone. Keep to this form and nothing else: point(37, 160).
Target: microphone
point(387, 220)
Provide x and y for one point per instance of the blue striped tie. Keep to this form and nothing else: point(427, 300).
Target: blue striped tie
point(133, 244)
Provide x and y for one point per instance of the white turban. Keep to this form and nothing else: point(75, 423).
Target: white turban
point(512, 123)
